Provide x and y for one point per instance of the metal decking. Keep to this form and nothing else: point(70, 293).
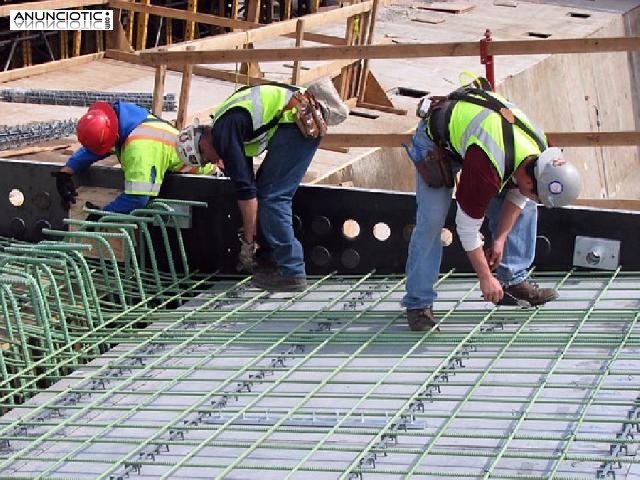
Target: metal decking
point(329, 383)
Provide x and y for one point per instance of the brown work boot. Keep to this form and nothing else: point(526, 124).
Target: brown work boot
point(421, 319)
point(274, 281)
point(529, 292)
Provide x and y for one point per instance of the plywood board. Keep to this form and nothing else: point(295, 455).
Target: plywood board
point(446, 7)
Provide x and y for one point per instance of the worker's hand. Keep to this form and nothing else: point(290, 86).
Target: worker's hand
point(491, 289)
point(421, 144)
point(246, 257)
point(66, 188)
point(494, 254)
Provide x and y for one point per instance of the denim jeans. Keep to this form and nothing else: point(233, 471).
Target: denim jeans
point(425, 249)
point(288, 157)
point(520, 247)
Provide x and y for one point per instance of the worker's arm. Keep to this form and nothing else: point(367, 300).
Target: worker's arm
point(81, 160)
point(479, 183)
point(230, 132)
point(509, 213)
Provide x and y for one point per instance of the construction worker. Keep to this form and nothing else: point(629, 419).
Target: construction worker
point(144, 144)
point(506, 166)
point(286, 121)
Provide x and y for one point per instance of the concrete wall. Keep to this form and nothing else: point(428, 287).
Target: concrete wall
point(587, 92)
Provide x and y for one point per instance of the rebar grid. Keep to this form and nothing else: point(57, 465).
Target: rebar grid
point(329, 383)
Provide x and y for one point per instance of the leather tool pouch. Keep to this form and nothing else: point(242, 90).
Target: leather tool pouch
point(437, 169)
point(308, 117)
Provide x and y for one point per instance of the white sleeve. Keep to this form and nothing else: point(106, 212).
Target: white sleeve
point(468, 230)
point(515, 197)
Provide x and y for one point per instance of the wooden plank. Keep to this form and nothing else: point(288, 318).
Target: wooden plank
point(204, 18)
point(415, 50)
point(573, 139)
point(295, 76)
point(446, 7)
point(320, 38)
point(141, 30)
point(48, 67)
point(185, 88)
point(593, 139)
point(48, 5)
point(192, 7)
point(158, 90)
point(327, 69)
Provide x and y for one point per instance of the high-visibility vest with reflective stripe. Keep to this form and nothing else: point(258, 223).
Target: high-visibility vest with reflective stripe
point(472, 124)
point(152, 144)
point(263, 102)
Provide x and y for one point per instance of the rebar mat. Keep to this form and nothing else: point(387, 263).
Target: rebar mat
point(330, 383)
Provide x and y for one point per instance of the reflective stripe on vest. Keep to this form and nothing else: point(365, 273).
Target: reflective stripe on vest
point(477, 132)
point(145, 188)
point(251, 99)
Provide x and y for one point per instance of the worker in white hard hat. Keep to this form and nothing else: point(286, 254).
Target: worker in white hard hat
point(287, 122)
point(506, 166)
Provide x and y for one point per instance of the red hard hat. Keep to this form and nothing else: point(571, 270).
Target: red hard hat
point(97, 130)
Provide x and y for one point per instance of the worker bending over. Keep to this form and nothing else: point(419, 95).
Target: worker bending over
point(287, 122)
point(144, 144)
point(506, 167)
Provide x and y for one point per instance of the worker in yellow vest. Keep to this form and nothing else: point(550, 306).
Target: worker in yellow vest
point(144, 144)
point(287, 122)
point(507, 167)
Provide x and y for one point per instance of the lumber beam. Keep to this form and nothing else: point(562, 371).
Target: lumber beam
point(406, 50)
point(562, 139)
point(49, 5)
point(48, 67)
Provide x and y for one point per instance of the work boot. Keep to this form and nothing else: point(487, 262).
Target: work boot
point(274, 281)
point(529, 292)
point(421, 319)
point(264, 265)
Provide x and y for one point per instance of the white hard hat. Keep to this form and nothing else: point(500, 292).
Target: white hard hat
point(334, 110)
point(187, 145)
point(558, 180)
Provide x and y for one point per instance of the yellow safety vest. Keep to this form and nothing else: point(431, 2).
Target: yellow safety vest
point(152, 144)
point(264, 103)
point(472, 124)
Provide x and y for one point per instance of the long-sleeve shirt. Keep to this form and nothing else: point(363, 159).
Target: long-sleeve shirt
point(479, 183)
point(230, 131)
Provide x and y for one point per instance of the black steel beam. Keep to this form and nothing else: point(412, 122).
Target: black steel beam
point(319, 216)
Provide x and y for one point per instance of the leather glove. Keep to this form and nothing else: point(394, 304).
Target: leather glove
point(246, 257)
point(66, 188)
point(421, 144)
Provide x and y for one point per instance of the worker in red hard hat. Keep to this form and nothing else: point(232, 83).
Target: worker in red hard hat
point(144, 144)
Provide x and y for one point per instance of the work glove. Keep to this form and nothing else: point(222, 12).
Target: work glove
point(66, 188)
point(246, 257)
point(93, 217)
point(421, 144)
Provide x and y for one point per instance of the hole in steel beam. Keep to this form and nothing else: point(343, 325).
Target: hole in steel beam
point(16, 197)
point(539, 34)
point(350, 229)
point(381, 231)
point(579, 15)
point(408, 92)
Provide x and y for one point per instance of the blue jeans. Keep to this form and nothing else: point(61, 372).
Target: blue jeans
point(288, 157)
point(520, 247)
point(425, 248)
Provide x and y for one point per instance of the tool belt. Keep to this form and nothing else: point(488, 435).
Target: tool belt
point(308, 114)
point(437, 168)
